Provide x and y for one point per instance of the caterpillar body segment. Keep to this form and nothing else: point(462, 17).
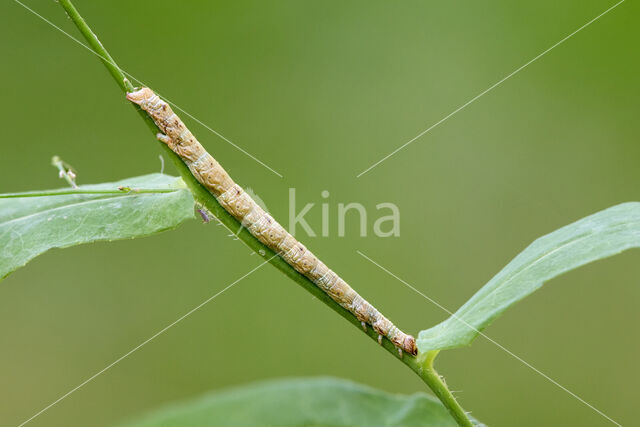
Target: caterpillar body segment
point(260, 224)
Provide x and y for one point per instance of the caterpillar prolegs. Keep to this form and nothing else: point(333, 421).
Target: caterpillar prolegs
point(261, 225)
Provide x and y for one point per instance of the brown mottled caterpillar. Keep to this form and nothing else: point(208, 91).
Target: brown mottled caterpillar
point(261, 225)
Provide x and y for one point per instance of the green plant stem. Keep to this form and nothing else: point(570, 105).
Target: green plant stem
point(436, 383)
point(205, 198)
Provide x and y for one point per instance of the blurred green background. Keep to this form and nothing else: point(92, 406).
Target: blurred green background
point(319, 91)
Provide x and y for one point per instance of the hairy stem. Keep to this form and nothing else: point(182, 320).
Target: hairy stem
point(202, 195)
point(437, 384)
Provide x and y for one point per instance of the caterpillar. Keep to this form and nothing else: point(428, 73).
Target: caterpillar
point(259, 223)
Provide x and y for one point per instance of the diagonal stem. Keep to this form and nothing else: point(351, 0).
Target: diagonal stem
point(439, 387)
point(202, 195)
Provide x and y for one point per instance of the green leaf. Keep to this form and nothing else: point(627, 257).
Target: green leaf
point(303, 402)
point(32, 224)
point(595, 237)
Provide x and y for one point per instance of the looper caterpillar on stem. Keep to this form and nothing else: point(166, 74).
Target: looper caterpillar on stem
point(260, 224)
point(422, 365)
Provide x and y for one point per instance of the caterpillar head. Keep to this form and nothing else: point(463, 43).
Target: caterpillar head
point(143, 97)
